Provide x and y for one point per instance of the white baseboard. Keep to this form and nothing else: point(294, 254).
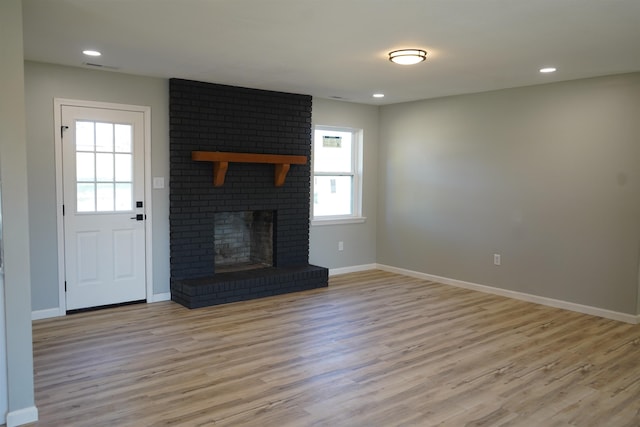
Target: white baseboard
point(57, 312)
point(160, 297)
point(595, 311)
point(46, 314)
point(352, 269)
point(585, 309)
point(22, 416)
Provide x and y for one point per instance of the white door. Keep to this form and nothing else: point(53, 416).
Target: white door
point(104, 207)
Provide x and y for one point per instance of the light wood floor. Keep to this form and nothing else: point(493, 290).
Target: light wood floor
point(374, 349)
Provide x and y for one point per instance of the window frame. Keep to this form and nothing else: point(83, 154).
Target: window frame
point(357, 137)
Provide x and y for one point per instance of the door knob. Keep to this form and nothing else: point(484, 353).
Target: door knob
point(139, 217)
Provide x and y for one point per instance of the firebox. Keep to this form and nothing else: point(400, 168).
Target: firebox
point(243, 240)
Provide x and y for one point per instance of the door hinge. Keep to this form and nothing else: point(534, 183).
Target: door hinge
point(62, 129)
point(65, 286)
point(62, 210)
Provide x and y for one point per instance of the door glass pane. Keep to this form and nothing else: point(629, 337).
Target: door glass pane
point(86, 197)
point(124, 199)
point(332, 195)
point(123, 167)
point(104, 167)
point(85, 167)
point(104, 201)
point(104, 180)
point(104, 137)
point(123, 138)
point(84, 136)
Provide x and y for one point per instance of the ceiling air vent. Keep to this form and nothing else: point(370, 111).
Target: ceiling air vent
point(104, 67)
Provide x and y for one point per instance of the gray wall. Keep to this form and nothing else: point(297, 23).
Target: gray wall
point(359, 239)
point(44, 82)
point(548, 176)
point(13, 169)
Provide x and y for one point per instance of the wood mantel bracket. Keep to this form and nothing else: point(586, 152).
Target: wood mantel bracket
point(221, 160)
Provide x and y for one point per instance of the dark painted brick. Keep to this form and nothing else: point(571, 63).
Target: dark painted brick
point(212, 117)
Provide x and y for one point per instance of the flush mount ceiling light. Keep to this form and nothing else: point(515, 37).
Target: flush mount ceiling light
point(91, 52)
point(378, 95)
point(547, 70)
point(407, 56)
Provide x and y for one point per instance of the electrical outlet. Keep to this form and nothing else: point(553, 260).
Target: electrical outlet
point(497, 259)
point(340, 246)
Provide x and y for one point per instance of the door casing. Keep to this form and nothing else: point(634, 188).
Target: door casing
point(146, 111)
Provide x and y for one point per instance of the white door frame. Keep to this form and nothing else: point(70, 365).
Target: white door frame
point(58, 103)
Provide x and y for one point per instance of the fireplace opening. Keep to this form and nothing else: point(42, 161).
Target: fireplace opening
point(243, 240)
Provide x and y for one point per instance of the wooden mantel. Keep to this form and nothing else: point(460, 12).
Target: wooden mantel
point(222, 159)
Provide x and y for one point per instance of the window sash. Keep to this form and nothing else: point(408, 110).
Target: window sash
point(335, 194)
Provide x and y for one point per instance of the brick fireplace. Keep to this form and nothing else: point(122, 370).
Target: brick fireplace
point(211, 117)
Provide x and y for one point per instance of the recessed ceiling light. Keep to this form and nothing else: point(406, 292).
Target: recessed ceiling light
point(407, 56)
point(547, 70)
point(378, 95)
point(91, 52)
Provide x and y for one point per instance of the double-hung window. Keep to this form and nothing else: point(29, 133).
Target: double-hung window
point(337, 175)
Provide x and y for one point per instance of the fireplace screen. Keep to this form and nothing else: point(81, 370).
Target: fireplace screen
point(243, 240)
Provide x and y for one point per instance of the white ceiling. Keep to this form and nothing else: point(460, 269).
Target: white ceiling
point(338, 48)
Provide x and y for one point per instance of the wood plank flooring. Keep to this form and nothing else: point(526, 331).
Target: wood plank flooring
point(374, 349)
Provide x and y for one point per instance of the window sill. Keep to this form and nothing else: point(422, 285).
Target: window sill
point(338, 221)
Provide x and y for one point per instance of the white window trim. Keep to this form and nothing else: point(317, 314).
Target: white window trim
point(338, 220)
point(356, 217)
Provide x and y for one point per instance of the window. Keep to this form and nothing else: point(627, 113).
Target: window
point(336, 175)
